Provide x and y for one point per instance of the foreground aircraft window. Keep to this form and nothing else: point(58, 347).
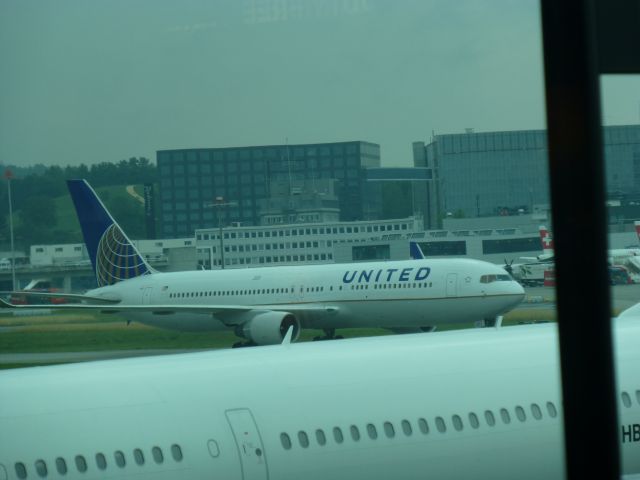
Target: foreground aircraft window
point(176, 452)
point(120, 461)
point(488, 416)
point(321, 439)
point(303, 439)
point(21, 470)
point(355, 433)
point(371, 430)
point(389, 431)
point(423, 425)
point(638, 396)
point(626, 399)
point(284, 439)
point(520, 414)
point(473, 420)
point(551, 408)
point(138, 456)
point(41, 468)
point(406, 428)
point(457, 422)
point(536, 412)
point(337, 435)
point(81, 463)
point(440, 425)
point(214, 449)
point(101, 461)
point(504, 414)
point(61, 466)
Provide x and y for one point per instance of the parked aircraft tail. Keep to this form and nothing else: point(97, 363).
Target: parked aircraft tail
point(113, 255)
point(546, 240)
point(415, 251)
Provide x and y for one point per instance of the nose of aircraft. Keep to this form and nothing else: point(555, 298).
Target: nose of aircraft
point(514, 289)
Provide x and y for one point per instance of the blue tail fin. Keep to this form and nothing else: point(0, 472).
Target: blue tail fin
point(415, 251)
point(113, 256)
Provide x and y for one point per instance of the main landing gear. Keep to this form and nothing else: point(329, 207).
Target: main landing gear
point(329, 334)
point(243, 344)
point(490, 322)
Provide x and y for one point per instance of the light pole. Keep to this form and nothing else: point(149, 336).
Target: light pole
point(8, 174)
point(218, 204)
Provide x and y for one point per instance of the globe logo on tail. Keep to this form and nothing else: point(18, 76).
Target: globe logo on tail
point(117, 259)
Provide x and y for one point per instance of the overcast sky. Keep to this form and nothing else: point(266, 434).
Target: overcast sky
point(92, 81)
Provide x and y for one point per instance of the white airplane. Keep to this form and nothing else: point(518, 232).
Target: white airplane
point(629, 258)
point(547, 247)
point(614, 255)
point(474, 403)
point(261, 304)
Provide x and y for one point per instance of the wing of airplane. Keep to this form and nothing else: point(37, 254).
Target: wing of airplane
point(221, 311)
point(261, 324)
point(67, 296)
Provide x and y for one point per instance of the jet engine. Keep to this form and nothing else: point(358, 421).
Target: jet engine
point(270, 328)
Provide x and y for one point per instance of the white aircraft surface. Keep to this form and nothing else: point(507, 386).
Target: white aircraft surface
point(532, 271)
point(474, 403)
point(260, 304)
point(616, 255)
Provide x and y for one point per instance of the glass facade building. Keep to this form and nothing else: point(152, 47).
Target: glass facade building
point(401, 192)
point(191, 179)
point(481, 174)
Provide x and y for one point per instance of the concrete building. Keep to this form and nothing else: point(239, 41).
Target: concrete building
point(300, 244)
point(62, 254)
point(502, 173)
point(300, 201)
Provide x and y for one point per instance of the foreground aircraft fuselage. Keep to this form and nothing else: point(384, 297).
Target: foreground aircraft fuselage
point(481, 403)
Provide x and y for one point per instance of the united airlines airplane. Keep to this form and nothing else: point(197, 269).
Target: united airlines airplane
point(260, 304)
point(475, 403)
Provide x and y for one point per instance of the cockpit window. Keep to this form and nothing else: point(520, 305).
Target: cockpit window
point(495, 278)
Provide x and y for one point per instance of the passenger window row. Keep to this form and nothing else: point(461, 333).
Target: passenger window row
point(227, 293)
point(269, 291)
point(407, 428)
point(101, 462)
point(626, 398)
point(385, 286)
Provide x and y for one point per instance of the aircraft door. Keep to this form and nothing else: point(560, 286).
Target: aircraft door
point(297, 292)
point(146, 295)
point(249, 443)
point(452, 285)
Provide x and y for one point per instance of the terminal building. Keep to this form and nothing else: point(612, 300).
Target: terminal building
point(305, 243)
point(506, 173)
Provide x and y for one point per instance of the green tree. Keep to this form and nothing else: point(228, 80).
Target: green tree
point(38, 212)
point(129, 214)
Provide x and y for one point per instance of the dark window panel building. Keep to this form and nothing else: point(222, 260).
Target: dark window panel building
point(191, 179)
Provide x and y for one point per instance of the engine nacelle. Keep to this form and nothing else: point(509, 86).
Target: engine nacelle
point(270, 328)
